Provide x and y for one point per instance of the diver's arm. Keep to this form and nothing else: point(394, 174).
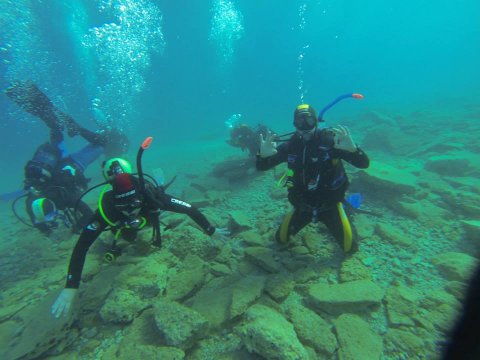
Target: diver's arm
point(88, 236)
point(357, 158)
point(173, 204)
point(266, 163)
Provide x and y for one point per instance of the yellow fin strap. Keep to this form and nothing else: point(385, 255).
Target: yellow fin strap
point(347, 229)
point(284, 228)
point(280, 181)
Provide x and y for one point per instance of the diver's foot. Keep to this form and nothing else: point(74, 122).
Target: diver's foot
point(73, 129)
point(157, 244)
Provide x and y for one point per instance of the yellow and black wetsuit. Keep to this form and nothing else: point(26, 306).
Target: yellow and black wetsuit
point(106, 215)
point(316, 183)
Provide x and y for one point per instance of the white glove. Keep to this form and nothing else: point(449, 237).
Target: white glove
point(267, 146)
point(343, 140)
point(64, 301)
point(221, 234)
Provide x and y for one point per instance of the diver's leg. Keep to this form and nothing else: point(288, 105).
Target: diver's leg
point(340, 226)
point(292, 224)
point(82, 217)
point(86, 156)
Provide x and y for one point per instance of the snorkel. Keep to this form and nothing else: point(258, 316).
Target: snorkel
point(358, 96)
point(145, 145)
point(334, 102)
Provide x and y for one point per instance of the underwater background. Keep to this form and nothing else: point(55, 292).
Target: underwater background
point(178, 71)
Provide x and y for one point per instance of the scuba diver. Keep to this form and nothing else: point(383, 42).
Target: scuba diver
point(54, 179)
point(236, 169)
point(247, 138)
point(316, 178)
point(132, 204)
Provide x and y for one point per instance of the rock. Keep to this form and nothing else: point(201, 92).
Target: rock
point(220, 270)
point(299, 250)
point(196, 196)
point(121, 306)
point(436, 298)
point(402, 305)
point(357, 341)
point(472, 230)
point(225, 347)
point(179, 325)
point(225, 255)
point(189, 240)
point(443, 317)
point(411, 210)
point(456, 288)
point(146, 279)
point(449, 165)
point(251, 238)
point(262, 257)
point(239, 221)
point(305, 275)
point(188, 279)
point(404, 344)
point(364, 225)
point(387, 180)
point(150, 352)
point(389, 139)
point(353, 269)
point(455, 266)
point(214, 299)
point(354, 296)
point(312, 330)
point(267, 333)
point(279, 286)
point(245, 292)
point(393, 235)
point(34, 331)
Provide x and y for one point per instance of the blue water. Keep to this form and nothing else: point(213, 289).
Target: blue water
point(179, 69)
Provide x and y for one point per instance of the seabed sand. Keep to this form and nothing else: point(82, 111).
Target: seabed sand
point(249, 298)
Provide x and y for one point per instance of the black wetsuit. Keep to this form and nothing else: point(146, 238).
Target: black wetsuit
point(156, 201)
point(317, 180)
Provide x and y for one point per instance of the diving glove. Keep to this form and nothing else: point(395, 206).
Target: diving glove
point(64, 301)
point(267, 146)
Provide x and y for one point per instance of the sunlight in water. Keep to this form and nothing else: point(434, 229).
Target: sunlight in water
point(226, 29)
point(123, 49)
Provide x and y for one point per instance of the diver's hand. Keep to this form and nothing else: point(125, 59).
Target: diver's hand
point(343, 140)
point(267, 146)
point(64, 301)
point(221, 234)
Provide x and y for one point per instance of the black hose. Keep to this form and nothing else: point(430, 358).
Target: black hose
point(14, 203)
point(140, 170)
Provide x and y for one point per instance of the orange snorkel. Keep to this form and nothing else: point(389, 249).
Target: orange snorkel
point(145, 145)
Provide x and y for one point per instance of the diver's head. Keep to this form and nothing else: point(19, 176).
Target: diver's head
point(36, 175)
point(39, 170)
point(305, 121)
point(126, 197)
point(114, 167)
point(43, 210)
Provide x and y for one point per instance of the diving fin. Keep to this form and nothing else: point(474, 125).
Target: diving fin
point(355, 200)
point(31, 99)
